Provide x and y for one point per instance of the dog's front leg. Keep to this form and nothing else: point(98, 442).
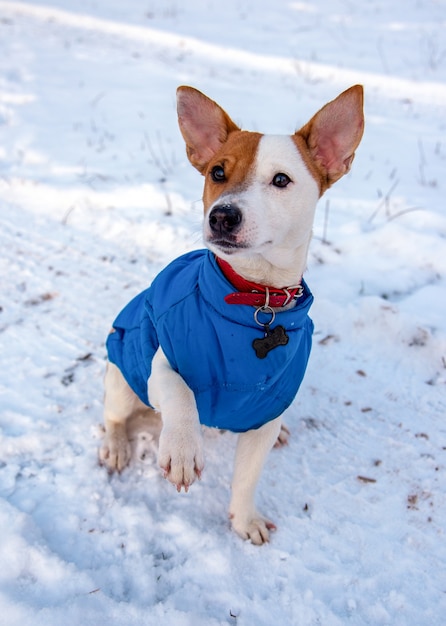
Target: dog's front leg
point(180, 453)
point(120, 402)
point(252, 450)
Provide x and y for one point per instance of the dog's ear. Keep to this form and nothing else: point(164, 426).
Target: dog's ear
point(203, 124)
point(334, 133)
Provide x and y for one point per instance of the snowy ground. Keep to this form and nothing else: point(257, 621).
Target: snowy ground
point(96, 195)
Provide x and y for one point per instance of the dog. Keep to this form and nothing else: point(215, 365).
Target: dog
point(222, 336)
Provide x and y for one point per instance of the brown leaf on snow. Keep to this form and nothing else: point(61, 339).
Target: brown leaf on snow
point(44, 297)
point(329, 339)
point(365, 479)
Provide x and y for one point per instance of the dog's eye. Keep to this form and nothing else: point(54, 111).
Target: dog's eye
point(218, 174)
point(281, 180)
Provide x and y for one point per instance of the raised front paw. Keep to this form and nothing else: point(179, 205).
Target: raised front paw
point(115, 451)
point(181, 456)
point(256, 528)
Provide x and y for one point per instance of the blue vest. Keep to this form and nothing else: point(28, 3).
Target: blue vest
point(209, 343)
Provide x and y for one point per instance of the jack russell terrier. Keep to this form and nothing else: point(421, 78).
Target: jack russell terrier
point(222, 336)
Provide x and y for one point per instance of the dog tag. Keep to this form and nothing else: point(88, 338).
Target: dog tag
point(272, 339)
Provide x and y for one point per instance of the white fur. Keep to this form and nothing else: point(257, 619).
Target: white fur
point(275, 232)
point(120, 403)
point(277, 222)
point(277, 227)
point(180, 453)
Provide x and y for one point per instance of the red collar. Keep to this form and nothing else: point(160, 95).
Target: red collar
point(254, 294)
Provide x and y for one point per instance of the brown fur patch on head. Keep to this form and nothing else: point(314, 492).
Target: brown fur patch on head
point(205, 126)
point(317, 173)
point(237, 158)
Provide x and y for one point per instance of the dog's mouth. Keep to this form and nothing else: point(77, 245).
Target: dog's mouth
point(230, 245)
point(227, 245)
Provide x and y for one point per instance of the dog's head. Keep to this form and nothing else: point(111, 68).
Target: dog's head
point(261, 191)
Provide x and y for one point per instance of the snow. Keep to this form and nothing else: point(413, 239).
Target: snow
point(96, 196)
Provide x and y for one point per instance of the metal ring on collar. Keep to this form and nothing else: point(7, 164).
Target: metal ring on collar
point(264, 309)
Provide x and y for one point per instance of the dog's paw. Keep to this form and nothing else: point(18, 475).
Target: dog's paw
point(282, 439)
point(180, 456)
point(144, 448)
point(115, 452)
point(256, 528)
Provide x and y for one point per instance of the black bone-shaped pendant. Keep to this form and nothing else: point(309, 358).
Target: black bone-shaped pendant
point(272, 339)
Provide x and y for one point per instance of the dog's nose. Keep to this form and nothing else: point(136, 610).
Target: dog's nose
point(225, 218)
